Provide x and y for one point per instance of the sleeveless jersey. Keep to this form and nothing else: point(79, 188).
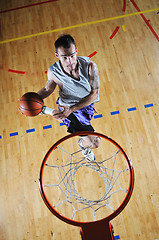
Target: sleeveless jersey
point(73, 90)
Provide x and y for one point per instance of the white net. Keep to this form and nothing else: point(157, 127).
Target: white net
point(86, 190)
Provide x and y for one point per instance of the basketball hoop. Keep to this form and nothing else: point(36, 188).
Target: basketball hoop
point(83, 193)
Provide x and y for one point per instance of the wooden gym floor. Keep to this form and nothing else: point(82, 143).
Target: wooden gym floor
point(125, 46)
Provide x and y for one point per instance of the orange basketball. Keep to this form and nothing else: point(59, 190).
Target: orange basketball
point(31, 104)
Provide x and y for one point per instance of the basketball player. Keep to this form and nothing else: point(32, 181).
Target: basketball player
point(78, 82)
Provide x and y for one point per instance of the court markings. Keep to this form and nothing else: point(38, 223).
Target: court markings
point(148, 105)
point(124, 28)
point(97, 116)
point(26, 6)
point(124, 5)
point(115, 31)
point(79, 25)
point(131, 109)
point(47, 127)
point(15, 71)
point(145, 20)
point(116, 237)
point(30, 130)
point(22, 72)
point(13, 134)
point(114, 113)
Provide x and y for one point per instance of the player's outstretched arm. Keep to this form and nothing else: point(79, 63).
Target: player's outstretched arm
point(46, 91)
point(49, 88)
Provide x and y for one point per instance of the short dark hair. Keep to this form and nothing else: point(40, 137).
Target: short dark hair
point(64, 41)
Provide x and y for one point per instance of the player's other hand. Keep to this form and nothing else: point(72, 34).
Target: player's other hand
point(66, 111)
point(58, 115)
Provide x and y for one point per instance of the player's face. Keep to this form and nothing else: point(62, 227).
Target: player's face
point(67, 57)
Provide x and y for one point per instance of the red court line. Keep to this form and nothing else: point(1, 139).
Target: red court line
point(124, 5)
point(91, 55)
point(30, 5)
point(14, 71)
point(115, 31)
point(146, 21)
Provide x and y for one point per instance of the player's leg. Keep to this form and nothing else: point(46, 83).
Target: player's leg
point(87, 142)
point(90, 141)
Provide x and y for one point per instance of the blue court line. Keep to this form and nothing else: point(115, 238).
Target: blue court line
point(46, 127)
point(13, 134)
point(95, 117)
point(116, 237)
point(98, 116)
point(148, 105)
point(30, 130)
point(115, 112)
point(131, 109)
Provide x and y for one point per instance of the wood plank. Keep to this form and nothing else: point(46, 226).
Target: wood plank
point(128, 68)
